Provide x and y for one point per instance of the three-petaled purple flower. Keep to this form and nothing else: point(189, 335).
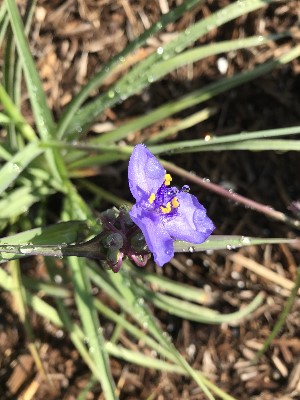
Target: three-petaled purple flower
point(163, 213)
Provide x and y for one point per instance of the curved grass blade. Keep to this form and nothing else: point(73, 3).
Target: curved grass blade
point(96, 81)
point(87, 114)
point(43, 117)
point(193, 312)
point(91, 326)
point(13, 168)
point(257, 145)
point(282, 318)
point(166, 285)
point(196, 97)
point(4, 21)
point(220, 242)
point(215, 142)
point(184, 123)
point(15, 116)
point(141, 76)
point(63, 232)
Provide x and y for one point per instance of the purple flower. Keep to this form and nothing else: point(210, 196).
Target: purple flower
point(163, 213)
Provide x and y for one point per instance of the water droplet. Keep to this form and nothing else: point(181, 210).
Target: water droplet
point(179, 49)
point(206, 180)
point(160, 50)
point(58, 279)
point(111, 94)
point(59, 333)
point(241, 3)
point(121, 59)
point(260, 38)
point(26, 250)
point(222, 65)
point(141, 301)
point(78, 129)
point(86, 340)
point(14, 167)
point(245, 240)
point(185, 188)
point(169, 252)
point(191, 249)
point(145, 325)
point(150, 79)
point(187, 32)
point(208, 137)
point(229, 247)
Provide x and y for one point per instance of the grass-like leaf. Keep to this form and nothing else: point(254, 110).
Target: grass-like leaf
point(97, 80)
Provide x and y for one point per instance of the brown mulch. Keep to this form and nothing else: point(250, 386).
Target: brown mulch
point(70, 41)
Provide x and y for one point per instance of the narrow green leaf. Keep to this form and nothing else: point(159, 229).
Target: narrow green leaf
point(230, 242)
point(195, 98)
point(87, 114)
point(13, 168)
point(215, 142)
point(91, 325)
point(15, 116)
point(97, 80)
point(43, 117)
point(193, 312)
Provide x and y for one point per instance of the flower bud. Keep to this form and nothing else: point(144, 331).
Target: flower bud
point(113, 241)
point(138, 242)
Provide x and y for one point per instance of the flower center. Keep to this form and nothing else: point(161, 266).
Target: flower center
point(165, 199)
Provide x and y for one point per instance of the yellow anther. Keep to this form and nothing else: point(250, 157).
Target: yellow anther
point(168, 179)
point(166, 209)
point(175, 202)
point(152, 198)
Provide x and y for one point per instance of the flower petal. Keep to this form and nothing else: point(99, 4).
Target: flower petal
point(158, 240)
point(190, 223)
point(145, 173)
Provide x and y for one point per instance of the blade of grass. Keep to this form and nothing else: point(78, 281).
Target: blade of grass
point(282, 318)
point(152, 69)
point(196, 97)
point(91, 325)
point(87, 114)
point(166, 285)
point(19, 294)
point(4, 21)
point(15, 116)
point(96, 81)
point(42, 114)
point(43, 117)
point(182, 124)
point(256, 145)
point(13, 168)
point(144, 317)
point(207, 145)
point(229, 242)
point(193, 312)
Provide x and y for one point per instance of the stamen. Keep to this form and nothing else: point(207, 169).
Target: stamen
point(152, 198)
point(175, 202)
point(168, 179)
point(166, 209)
